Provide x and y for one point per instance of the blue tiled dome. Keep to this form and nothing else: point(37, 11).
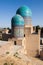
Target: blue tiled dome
point(24, 11)
point(17, 20)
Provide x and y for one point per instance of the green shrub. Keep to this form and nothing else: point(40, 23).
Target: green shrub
point(16, 55)
point(7, 52)
point(12, 64)
point(5, 64)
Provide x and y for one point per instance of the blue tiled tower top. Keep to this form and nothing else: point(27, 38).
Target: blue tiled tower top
point(17, 20)
point(24, 11)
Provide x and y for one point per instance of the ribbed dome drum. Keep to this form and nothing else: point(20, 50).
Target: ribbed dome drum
point(17, 26)
point(26, 13)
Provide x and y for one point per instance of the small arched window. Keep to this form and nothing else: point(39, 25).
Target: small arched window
point(24, 35)
point(15, 43)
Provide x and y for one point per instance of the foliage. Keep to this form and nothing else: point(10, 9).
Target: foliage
point(5, 64)
point(16, 55)
point(7, 52)
point(12, 64)
point(37, 27)
point(42, 30)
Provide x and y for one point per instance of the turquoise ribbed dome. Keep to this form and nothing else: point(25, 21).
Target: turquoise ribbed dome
point(17, 20)
point(24, 11)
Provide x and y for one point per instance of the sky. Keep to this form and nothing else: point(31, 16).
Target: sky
point(8, 9)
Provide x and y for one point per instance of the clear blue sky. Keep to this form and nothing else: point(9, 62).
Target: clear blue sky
point(8, 9)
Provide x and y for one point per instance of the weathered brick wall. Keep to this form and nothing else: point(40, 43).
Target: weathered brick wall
point(32, 44)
